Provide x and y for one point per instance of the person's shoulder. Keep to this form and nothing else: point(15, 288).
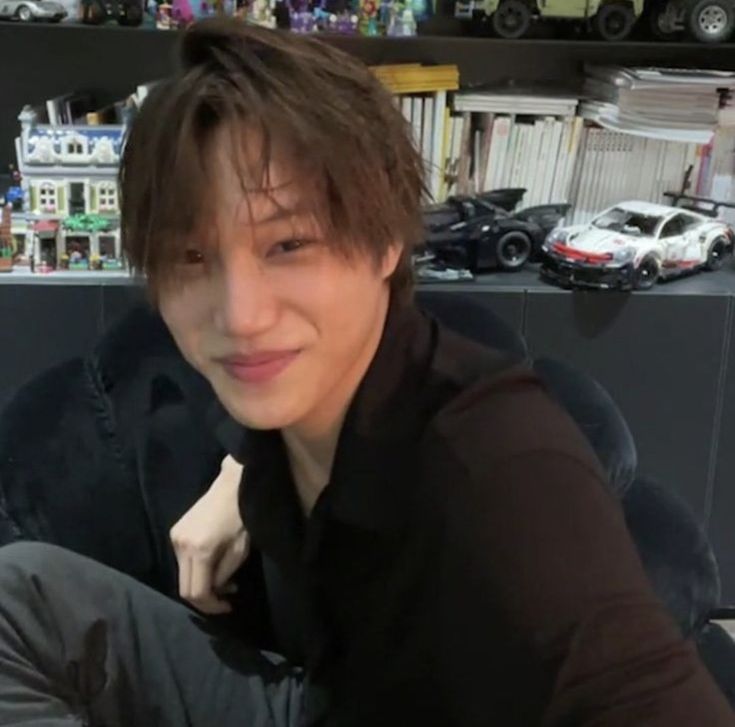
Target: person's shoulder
point(499, 409)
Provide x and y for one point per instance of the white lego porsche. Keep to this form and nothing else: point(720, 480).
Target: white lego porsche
point(634, 244)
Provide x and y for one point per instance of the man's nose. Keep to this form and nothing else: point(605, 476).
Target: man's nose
point(245, 304)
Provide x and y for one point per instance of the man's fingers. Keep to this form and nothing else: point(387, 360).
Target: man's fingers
point(184, 575)
point(200, 583)
point(232, 559)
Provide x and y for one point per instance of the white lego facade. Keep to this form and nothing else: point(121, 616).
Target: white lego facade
point(69, 170)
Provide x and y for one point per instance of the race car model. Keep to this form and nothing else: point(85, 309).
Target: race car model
point(482, 233)
point(29, 10)
point(634, 244)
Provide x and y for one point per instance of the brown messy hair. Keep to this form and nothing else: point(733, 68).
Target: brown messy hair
point(316, 107)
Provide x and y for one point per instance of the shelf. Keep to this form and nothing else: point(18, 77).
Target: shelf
point(719, 283)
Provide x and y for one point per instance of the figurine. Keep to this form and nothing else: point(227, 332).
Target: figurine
point(302, 20)
point(401, 21)
point(126, 12)
point(634, 244)
point(31, 10)
point(260, 12)
point(368, 18)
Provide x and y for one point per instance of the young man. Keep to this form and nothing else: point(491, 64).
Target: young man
point(437, 543)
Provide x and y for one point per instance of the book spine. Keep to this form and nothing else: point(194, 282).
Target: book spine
point(439, 142)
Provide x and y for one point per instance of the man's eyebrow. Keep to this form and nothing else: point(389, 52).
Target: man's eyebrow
point(281, 213)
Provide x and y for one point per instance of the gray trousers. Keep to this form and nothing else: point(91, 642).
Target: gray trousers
point(81, 644)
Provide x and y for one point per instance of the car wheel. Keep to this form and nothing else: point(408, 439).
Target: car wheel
point(646, 274)
point(660, 22)
point(614, 21)
point(24, 13)
point(512, 19)
point(513, 250)
point(711, 21)
point(717, 253)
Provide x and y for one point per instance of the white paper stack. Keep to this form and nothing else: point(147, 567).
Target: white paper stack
point(659, 103)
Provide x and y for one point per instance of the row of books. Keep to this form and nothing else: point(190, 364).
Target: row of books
point(573, 160)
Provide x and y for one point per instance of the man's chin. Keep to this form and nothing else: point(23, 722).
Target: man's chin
point(259, 417)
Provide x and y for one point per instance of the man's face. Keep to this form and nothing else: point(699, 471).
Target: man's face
point(278, 322)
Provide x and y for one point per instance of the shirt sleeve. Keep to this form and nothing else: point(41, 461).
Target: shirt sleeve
point(545, 613)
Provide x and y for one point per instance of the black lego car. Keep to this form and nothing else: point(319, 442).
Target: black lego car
point(482, 232)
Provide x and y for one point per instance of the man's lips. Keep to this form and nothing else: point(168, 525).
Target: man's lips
point(258, 367)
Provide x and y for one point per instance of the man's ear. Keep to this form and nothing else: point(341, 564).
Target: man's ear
point(391, 257)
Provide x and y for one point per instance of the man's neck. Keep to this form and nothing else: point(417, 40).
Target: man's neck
point(312, 444)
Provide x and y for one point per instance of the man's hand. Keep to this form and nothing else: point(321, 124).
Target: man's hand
point(211, 543)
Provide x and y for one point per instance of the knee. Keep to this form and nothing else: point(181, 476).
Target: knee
point(28, 559)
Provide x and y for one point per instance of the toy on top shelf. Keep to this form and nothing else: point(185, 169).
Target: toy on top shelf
point(610, 19)
point(125, 12)
point(707, 21)
point(69, 182)
point(484, 232)
point(31, 10)
point(634, 244)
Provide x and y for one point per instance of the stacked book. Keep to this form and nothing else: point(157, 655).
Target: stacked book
point(668, 104)
point(517, 138)
point(421, 94)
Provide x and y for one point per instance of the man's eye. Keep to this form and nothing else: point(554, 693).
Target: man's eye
point(287, 246)
point(193, 257)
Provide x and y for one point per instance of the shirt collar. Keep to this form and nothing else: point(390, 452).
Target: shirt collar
point(373, 463)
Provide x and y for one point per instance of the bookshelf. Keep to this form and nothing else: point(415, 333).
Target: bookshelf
point(42, 61)
point(676, 338)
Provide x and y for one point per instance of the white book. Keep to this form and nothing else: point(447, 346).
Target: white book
point(519, 164)
point(554, 194)
point(533, 170)
point(551, 148)
point(406, 107)
point(588, 167)
point(510, 174)
point(438, 135)
point(427, 137)
point(476, 144)
point(578, 136)
point(417, 120)
point(575, 181)
point(498, 152)
point(647, 168)
point(502, 178)
point(620, 172)
point(597, 160)
point(698, 151)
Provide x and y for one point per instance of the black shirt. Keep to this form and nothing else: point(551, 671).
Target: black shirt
point(465, 564)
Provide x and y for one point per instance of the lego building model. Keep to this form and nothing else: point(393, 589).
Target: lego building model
point(70, 198)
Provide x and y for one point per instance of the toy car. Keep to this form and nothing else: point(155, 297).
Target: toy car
point(29, 10)
point(708, 21)
point(483, 233)
point(610, 19)
point(634, 244)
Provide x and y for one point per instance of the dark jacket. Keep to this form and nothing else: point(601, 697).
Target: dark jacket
point(103, 454)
